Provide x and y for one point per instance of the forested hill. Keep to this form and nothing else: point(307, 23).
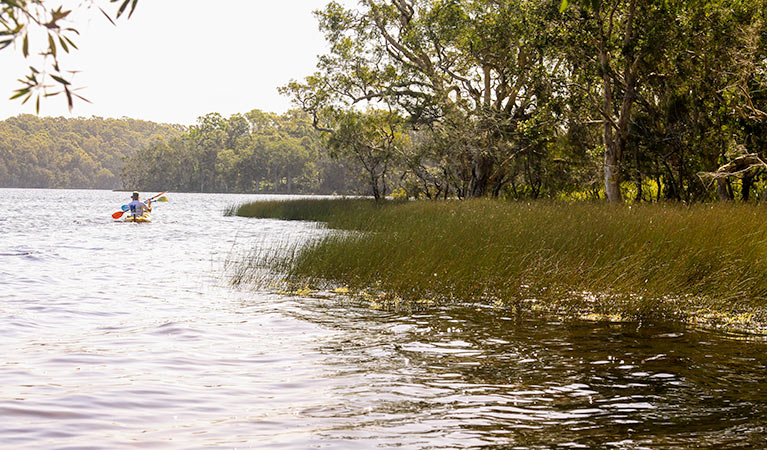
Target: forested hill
point(43, 152)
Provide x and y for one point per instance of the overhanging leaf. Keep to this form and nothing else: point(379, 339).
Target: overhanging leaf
point(122, 8)
point(132, 8)
point(19, 93)
point(107, 16)
point(63, 44)
point(71, 44)
point(70, 102)
point(51, 45)
point(60, 80)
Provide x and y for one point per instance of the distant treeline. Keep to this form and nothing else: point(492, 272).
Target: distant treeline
point(38, 152)
point(254, 152)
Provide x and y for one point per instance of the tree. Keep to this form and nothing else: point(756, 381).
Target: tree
point(617, 33)
point(373, 140)
point(668, 80)
point(207, 139)
point(483, 63)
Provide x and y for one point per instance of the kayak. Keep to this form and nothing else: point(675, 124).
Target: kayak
point(143, 218)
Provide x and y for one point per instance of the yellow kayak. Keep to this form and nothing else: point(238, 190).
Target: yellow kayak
point(143, 218)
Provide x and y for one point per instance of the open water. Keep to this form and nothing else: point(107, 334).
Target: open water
point(119, 335)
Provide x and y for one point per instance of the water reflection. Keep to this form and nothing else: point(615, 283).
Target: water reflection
point(470, 375)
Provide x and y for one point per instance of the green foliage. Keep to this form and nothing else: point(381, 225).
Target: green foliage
point(451, 68)
point(373, 140)
point(71, 153)
point(531, 98)
point(593, 4)
point(516, 99)
point(255, 152)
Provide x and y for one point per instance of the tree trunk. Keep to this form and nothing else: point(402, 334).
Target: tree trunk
point(721, 190)
point(638, 181)
point(746, 184)
point(290, 184)
point(374, 187)
point(480, 174)
point(616, 130)
point(612, 174)
point(612, 160)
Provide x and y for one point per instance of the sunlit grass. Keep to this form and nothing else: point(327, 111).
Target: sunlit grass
point(582, 259)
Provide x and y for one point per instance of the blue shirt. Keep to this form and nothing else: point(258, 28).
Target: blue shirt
point(137, 208)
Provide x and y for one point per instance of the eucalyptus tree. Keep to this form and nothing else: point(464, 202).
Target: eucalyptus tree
point(373, 141)
point(670, 79)
point(288, 161)
point(612, 40)
point(482, 64)
point(430, 168)
point(237, 128)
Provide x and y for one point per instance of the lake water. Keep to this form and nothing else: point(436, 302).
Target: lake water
point(120, 335)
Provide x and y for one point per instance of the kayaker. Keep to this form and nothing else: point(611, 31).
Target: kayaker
point(137, 207)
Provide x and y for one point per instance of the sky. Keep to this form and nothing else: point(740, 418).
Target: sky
point(176, 60)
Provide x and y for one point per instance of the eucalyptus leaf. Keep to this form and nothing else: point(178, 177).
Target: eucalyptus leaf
point(60, 80)
point(51, 45)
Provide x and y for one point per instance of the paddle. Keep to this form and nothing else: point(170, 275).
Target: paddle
point(125, 208)
point(161, 193)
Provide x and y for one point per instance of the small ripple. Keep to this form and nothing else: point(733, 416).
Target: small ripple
point(176, 330)
point(17, 253)
point(7, 412)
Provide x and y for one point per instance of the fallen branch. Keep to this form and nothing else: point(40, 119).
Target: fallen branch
point(735, 168)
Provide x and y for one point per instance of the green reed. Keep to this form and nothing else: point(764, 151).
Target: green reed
point(636, 261)
point(348, 213)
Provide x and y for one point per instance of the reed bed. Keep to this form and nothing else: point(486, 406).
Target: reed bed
point(640, 261)
point(341, 213)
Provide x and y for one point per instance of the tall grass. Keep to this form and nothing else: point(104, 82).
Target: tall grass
point(342, 213)
point(637, 261)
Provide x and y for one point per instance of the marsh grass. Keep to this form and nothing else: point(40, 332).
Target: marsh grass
point(258, 266)
point(342, 213)
point(642, 261)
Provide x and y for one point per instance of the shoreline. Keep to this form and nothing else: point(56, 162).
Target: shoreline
point(701, 265)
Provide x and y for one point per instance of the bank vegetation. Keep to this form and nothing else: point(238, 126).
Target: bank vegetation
point(702, 264)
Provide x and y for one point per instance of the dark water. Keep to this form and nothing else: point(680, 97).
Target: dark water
point(120, 335)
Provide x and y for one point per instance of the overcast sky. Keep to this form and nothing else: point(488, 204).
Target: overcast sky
point(176, 60)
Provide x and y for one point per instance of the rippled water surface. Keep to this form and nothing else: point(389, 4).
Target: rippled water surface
point(119, 335)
